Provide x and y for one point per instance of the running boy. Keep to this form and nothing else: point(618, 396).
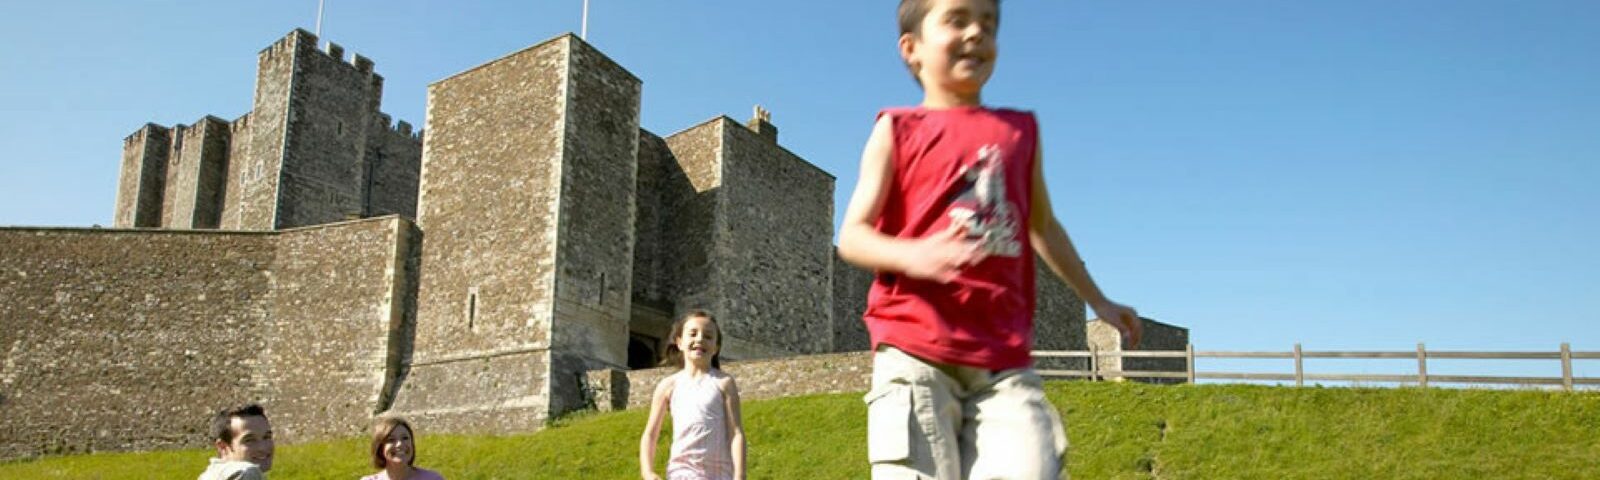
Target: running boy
point(949, 210)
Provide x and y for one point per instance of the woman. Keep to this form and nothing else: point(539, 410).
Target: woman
point(394, 452)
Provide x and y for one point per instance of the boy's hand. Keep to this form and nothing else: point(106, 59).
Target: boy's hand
point(942, 255)
point(1124, 318)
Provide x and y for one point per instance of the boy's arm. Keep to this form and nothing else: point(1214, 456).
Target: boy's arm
point(730, 403)
point(938, 256)
point(1050, 240)
point(652, 429)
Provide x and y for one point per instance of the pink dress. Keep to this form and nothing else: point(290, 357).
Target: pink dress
point(701, 449)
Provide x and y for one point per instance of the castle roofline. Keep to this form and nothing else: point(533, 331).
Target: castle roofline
point(568, 35)
point(726, 118)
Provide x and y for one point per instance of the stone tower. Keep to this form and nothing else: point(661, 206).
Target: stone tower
point(528, 202)
point(314, 149)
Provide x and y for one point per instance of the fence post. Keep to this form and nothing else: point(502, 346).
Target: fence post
point(1566, 366)
point(1094, 364)
point(1299, 371)
point(1188, 350)
point(1422, 366)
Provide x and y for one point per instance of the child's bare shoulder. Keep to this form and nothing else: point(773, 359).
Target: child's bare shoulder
point(666, 384)
point(725, 381)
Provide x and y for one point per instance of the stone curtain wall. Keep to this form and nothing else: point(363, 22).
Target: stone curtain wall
point(775, 265)
point(127, 340)
point(488, 210)
point(757, 379)
point(333, 309)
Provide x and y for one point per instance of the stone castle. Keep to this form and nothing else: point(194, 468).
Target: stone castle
point(314, 257)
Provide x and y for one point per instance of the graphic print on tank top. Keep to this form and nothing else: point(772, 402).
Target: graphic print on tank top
point(979, 203)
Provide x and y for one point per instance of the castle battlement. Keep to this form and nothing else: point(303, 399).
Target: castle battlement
point(142, 132)
point(240, 124)
point(283, 45)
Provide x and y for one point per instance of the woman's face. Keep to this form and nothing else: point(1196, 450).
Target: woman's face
point(398, 449)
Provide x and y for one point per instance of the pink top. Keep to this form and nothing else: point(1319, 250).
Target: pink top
point(420, 474)
point(701, 449)
point(971, 166)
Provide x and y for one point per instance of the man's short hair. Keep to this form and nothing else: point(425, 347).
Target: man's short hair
point(222, 423)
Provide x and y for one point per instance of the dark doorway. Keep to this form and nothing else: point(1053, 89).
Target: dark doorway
point(642, 352)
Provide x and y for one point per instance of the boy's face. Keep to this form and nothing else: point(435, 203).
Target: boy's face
point(955, 48)
point(252, 442)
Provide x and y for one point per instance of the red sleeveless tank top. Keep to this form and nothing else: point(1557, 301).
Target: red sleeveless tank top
point(972, 165)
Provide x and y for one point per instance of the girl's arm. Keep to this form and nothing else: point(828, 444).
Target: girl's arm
point(652, 429)
point(730, 403)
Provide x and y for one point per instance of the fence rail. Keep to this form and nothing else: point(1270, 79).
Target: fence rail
point(1565, 355)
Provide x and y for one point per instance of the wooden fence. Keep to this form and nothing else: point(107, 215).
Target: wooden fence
point(1566, 381)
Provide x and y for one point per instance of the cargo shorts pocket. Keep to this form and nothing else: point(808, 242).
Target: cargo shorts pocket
point(889, 424)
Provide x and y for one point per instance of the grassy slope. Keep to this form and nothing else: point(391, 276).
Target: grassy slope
point(1117, 431)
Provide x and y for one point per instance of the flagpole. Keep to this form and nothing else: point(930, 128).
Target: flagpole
point(583, 31)
point(319, 18)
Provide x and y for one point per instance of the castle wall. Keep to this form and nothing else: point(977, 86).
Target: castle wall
point(774, 251)
point(489, 183)
point(196, 171)
point(127, 340)
point(238, 160)
point(268, 123)
point(143, 177)
point(850, 285)
point(393, 166)
point(332, 106)
point(1058, 313)
point(171, 192)
point(339, 292)
point(690, 208)
point(594, 254)
point(650, 187)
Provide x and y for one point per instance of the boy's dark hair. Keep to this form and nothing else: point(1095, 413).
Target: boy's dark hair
point(911, 13)
point(380, 436)
point(674, 357)
point(222, 423)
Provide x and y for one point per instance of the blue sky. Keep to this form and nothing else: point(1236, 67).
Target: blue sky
point(1359, 174)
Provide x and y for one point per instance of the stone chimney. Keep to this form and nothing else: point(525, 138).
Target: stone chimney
point(761, 123)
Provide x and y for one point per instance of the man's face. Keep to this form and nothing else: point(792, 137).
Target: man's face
point(252, 442)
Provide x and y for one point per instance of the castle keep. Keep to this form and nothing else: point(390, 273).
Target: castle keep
point(311, 256)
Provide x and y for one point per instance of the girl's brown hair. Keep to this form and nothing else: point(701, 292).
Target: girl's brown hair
point(380, 436)
point(674, 357)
